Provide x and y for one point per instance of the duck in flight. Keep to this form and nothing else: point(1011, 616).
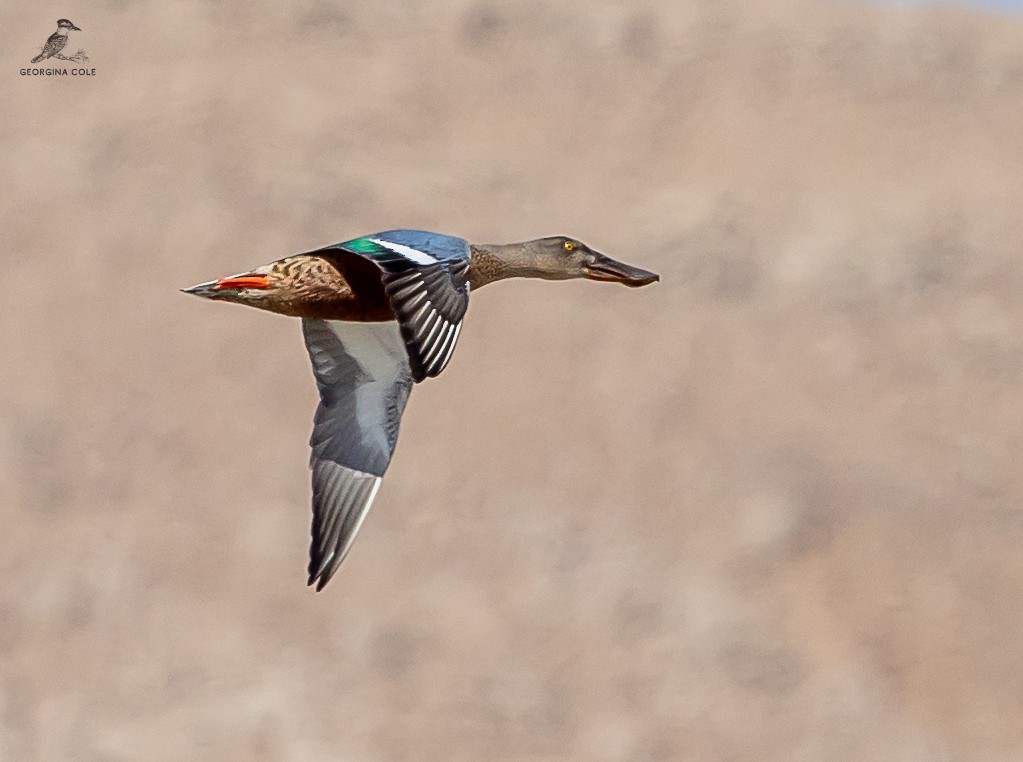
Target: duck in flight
point(381, 313)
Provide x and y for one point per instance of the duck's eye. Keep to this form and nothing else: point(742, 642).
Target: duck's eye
point(569, 246)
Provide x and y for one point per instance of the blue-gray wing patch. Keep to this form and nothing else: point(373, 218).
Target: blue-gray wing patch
point(364, 378)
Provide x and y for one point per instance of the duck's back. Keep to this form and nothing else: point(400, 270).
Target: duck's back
point(417, 247)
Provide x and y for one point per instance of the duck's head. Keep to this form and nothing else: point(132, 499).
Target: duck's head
point(65, 24)
point(555, 258)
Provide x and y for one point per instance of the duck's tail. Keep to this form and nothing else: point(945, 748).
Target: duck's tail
point(213, 288)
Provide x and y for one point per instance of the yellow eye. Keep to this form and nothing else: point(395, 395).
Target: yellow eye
point(569, 246)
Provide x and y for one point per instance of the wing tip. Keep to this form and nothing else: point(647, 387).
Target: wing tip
point(319, 580)
point(337, 519)
point(321, 570)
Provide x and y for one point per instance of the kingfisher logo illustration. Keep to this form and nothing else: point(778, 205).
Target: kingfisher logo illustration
point(56, 50)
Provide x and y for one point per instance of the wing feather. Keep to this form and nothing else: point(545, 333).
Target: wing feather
point(364, 378)
point(430, 302)
point(425, 279)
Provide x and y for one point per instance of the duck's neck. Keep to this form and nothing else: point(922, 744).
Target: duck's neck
point(491, 261)
point(486, 266)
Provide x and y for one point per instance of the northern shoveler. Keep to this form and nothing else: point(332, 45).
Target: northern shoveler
point(380, 313)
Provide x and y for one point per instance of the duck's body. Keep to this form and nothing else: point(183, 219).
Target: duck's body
point(379, 313)
point(314, 286)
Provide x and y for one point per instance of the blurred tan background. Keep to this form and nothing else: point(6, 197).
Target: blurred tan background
point(768, 509)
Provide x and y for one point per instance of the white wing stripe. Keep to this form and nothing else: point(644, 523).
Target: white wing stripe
point(420, 311)
point(424, 327)
point(420, 331)
point(437, 324)
point(412, 302)
point(439, 346)
point(407, 251)
point(347, 544)
point(404, 291)
point(432, 349)
point(451, 349)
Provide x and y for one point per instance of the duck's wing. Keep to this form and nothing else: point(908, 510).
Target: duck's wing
point(430, 303)
point(426, 279)
point(364, 379)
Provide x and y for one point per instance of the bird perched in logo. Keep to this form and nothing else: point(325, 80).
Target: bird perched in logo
point(380, 313)
point(57, 40)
